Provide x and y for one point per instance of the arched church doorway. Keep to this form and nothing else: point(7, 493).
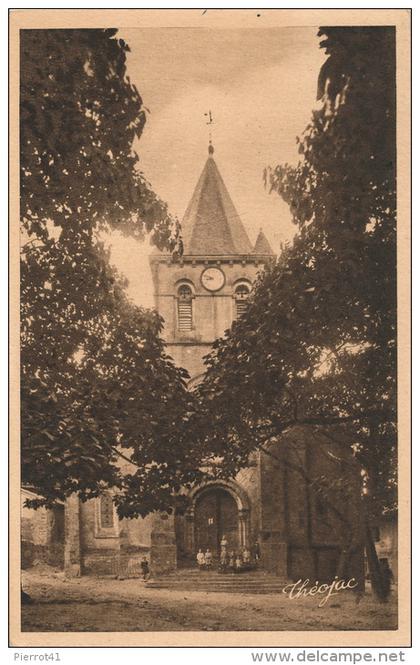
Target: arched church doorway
point(216, 515)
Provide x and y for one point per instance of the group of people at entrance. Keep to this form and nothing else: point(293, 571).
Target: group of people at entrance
point(229, 560)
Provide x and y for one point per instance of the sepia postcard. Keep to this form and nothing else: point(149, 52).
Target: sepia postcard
point(210, 341)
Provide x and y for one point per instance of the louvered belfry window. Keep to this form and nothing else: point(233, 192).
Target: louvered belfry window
point(185, 308)
point(107, 511)
point(241, 298)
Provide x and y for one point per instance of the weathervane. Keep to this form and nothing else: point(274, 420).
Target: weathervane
point(209, 122)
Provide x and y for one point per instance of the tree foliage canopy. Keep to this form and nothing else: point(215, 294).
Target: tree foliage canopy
point(97, 387)
point(317, 344)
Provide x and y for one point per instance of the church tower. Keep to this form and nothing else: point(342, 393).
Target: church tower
point(205, 290)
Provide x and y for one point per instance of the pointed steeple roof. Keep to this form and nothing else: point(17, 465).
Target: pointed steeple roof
point(211, 225)
point(262, 246)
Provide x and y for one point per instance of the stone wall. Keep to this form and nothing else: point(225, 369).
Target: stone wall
point(272, 536)
point(42, 535)
point(117, 550)
point(213, 313)
point(321, 524)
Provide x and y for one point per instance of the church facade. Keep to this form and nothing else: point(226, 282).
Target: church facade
point(273, 502)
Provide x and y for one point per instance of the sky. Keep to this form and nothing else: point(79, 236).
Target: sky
point(260, 85)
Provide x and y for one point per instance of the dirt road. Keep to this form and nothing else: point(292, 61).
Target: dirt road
point(88, 604)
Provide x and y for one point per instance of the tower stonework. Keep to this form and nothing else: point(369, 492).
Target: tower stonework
point(218, 260)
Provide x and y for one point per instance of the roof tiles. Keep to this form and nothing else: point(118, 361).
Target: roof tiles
point(211, 225)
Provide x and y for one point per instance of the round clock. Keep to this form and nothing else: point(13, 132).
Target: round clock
point(212, 279)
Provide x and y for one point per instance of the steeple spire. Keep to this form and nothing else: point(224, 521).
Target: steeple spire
point(211, 226)
point(262, 246)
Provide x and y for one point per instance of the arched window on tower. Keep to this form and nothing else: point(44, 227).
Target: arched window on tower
point(242, 292)
point(185, 298)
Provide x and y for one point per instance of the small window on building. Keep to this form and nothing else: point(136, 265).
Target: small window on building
point(107, 511)
point(242, 292)
point(185, 297)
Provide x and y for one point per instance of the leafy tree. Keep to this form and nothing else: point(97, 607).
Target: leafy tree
point(101, 402)
point(317, 344)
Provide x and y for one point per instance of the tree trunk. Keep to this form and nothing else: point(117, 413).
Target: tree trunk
point(343, 562)
point(376, 576)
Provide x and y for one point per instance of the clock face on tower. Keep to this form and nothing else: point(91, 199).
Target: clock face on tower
point(212, 279)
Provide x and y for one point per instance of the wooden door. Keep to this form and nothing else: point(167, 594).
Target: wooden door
point(216, 515)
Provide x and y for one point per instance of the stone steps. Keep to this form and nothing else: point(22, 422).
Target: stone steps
point(250, 582)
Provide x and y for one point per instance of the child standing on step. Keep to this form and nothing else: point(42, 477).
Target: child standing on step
point(223, 559)
point(246, 556)
point(144, 566)
point(256, 551)
point(238, 562)
point(201, 560)
point(232, 557)
point(208, 559)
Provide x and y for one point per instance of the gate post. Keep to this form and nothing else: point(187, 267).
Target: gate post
point(72, 549)
point(163, 556)
point(189, 532)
